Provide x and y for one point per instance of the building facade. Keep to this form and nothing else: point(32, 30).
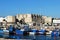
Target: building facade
point(26, 17)
point(47, 20)
point(10, 20)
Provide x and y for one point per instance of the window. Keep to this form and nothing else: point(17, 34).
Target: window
point(38, 24)
point(34, 24)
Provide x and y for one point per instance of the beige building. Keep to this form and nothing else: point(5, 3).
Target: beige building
point(27, 17)
point(10, 20)
point(47, 19)
point(19, 16)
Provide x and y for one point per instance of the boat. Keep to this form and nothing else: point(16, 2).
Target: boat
point(48, 33)
point(6, 31)
point(19, 32)
point(42, 32)
point(55, 33)
point(1, 31)
point(11, 32)
point(33, 31)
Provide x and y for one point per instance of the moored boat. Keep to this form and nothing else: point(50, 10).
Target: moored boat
point(55, 33)
point(33, 31)
point(42, 32)
point(48, 33)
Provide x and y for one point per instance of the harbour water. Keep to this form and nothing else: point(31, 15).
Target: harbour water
point(28, 37)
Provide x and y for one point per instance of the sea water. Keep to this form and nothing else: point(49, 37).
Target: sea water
point(29, 37)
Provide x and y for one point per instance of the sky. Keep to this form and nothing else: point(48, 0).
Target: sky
point(42, 7)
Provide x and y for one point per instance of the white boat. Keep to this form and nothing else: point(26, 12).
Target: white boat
point(22, 30)
point(6, 31)
point(31, 33)
point(42, 31)
point(49, 33)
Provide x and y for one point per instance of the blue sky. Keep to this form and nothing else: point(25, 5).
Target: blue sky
point(43, 7)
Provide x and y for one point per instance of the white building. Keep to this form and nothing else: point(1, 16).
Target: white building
point(1, 19)
point(47, 19)
point(10, 20)
point(56, 22)
point(27, 17)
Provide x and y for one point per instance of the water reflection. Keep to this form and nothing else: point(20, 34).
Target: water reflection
point(36, 37)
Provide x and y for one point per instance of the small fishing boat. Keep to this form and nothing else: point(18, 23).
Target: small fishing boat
point(33, 31)
point(48, 33)
point(42, 32)
point(19, 32)
point(11, 32)
point(6, 31)
point(55, 33)
point(1, 31)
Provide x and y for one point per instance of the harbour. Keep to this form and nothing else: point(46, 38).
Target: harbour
point(35, 27)
point(32, 34)
point(29, 20)
point(30, 37)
